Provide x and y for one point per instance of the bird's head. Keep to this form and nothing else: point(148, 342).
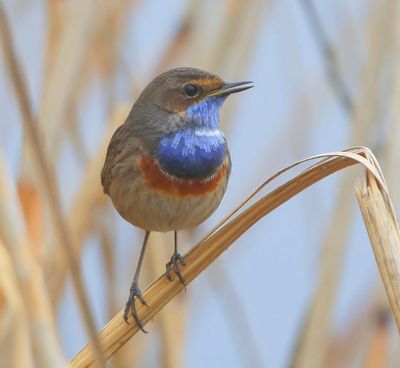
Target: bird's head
point(193, 95)
point(176, 118)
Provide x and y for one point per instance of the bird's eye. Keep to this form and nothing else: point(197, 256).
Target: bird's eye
point(191, 90)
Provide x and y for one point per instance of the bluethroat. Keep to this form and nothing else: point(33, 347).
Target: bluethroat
point(167, 166)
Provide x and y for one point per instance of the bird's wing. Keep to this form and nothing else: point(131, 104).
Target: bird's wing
point(123, 145)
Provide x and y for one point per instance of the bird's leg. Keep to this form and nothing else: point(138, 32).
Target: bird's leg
point(134, 291)
point(173, 264)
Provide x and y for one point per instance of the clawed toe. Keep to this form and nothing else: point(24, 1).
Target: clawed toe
point(173, 264)
point(131, 308)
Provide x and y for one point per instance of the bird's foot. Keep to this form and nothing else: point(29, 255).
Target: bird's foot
point(134, 292)
point(173, 264)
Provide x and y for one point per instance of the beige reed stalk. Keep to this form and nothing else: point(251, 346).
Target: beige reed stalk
point(47, 179)
point(312, 342)
point(182, 37)
point(88, 196)
point(235, 42)
point(117, 332)
point(74, 42)
point(381, 223)
point(391, 145)
point(14, 322)
point(36, 308)
point(173, 319)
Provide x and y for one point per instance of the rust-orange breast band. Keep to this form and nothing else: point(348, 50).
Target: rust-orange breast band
point(158, 180)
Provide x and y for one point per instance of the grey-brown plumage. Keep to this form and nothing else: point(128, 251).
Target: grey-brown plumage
point(167, 166)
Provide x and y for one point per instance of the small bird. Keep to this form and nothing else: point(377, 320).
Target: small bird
point(167, 166)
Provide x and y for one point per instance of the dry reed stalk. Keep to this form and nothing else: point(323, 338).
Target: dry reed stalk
point(226, 37)
point(117, 332)
point(55, 22)
point(172, 320)
point(79, 214)
point(174, 46)
point(104, 51)
point(238, 47)
point(133, 354)
point(130, 355)
point(74, 43)
point(172, 324)
point(32, 207)
point(392, 156)
point(14, 325)
point(245, 39)
point(30, 278)
point(381, 223)
point(236, 42)
point(240, 51)
point(86, 197)
point(181, 38)
point(213, 52)
point(332, 68)
point(46, 178)
point(102, 61)
point(391, 150)
point(312, 342)
point(305, 107)
point(108, 251)
point(394, 347)
point(172, 330)
point(391, 146)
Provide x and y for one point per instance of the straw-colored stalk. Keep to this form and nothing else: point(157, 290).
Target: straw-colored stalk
point(46, 177)
point(391, 146)
point(80, 212)
point(14, 325)
point(383, 231)
point(312, 342)
point(172, 320)
point(31, 285)
point(233, 53)
point(68, 59)
point(55, 21)
point(117, 332)
point(181, 37)
point(32, 207)
point(330, 55)
point(103, 59)
point(87, 198)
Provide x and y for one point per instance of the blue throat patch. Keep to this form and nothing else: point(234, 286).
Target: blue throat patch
point(196, 151)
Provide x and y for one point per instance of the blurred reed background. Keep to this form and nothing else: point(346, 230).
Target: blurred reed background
point(301, 288)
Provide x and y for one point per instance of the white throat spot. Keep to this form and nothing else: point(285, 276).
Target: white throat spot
point(208, 133)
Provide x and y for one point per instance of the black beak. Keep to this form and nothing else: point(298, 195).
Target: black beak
point(229, 88)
